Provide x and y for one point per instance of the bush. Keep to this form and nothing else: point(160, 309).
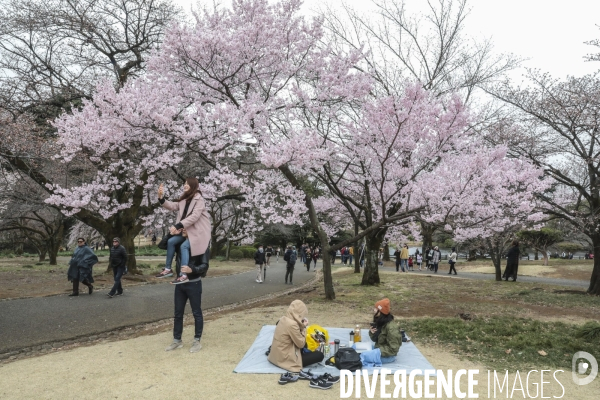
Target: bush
point(143, 266)
point(236, 254)
point(27, 266)
point(248, 251)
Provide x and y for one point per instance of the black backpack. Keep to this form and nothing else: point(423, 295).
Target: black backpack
point(346, 358)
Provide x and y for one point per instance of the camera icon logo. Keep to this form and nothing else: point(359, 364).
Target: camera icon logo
point(581, 367)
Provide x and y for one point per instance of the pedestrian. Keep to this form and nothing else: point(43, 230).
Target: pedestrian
point(380, 256)
point(154, 239)
point(435, 259)
point(268, 253)
point(308, 258)
point(97, 245)
point(118, 262)
point(512, 262)
point(410, 263)
point(103, 244)
point(428, 258)
point(452, 261)
point(404, 258)
point(333, 253)
point(80, 267)
point(192, 233)
point(351, 253)
point(303, 253)
point(315, 257)
point(397, 256)
point(290, 257)
point(419, 260)
point(259, 261)
point(278, 251)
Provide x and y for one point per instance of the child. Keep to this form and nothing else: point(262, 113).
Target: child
point(410, 264)
point(419, 260)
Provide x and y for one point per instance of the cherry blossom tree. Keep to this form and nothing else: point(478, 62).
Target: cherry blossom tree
point(554, 124)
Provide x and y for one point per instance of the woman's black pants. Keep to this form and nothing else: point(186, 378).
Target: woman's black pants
point(452, 268)
point(311, 358)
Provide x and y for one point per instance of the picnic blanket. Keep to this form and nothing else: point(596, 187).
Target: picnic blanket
point(255, 361)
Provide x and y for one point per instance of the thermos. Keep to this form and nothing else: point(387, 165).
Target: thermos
point(336, 345)
point(351, 338)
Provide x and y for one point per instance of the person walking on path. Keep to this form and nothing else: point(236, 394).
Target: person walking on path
point(268, 254)
point(419, 260)
point(397, 255)
point(315, 257)
point(259, 261)
point(404, 258)
point(452, 261)
point(290, 257)
point(80, 267)
point(435, 260)
point(512, 262)
point(118, 262)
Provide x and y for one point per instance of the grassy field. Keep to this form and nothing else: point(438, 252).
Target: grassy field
point(26, 277)
point(503, 325)
point(556, 268)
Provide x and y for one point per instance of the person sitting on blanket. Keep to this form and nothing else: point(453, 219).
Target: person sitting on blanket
point(289, 340)
point(385, 332)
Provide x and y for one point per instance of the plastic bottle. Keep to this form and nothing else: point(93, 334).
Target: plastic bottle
point(357, 337)
point(326, 351)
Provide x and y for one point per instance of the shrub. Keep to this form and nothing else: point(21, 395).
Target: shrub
point(143, 266)
point(161, 266)
point(236, 254)
point(27, 266)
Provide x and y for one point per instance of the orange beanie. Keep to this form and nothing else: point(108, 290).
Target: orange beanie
point(383, 305)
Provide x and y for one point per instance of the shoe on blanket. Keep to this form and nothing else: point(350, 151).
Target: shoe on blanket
point(329, 378)
point(306, 375)
point(320, 384)
point(287, 378)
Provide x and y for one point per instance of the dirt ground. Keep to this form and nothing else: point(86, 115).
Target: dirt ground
point(140, 368)
point(22, 277)
point(556, 268)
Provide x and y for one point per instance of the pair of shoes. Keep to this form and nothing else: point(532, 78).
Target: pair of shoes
point(74, 294)
point(90, 289)
point(320, 384)
point(177, 344)
point(181, 279)
point(110, 296)
point(166, 273)
point(287, 378)
point(307, 375)
point(119, 294)
point(326, 377)
point(196, 346)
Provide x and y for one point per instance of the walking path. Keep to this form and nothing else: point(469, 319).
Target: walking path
point(34, 321)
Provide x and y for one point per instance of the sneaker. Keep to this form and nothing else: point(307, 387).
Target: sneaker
point(196, 346)
point(119, 294)
point(177, 344)
point(166, 273)
point(306, 375)
point(90, 289)
point(329, 378)
point(257, 281)
point(320, 384)
point(74, 294)
point(287, 378)
point(110, 296)
point(405, 337)
point(181, 279)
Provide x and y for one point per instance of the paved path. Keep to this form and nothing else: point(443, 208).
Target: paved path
point(30, 322)
point(33, 321)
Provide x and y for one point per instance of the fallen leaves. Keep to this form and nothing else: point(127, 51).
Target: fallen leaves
point(542, 353)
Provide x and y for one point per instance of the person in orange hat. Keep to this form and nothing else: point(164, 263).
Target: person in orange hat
point(385, 332)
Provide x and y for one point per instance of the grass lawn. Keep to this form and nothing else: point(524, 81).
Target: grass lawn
point(556, 268)
point(504, 325)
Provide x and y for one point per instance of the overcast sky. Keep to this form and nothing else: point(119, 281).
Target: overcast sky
point(550, 33)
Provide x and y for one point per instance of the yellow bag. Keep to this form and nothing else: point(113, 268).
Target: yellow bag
point(316, 334)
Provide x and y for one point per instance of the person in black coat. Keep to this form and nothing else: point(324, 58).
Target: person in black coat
point(512, 262)
point(118, 262)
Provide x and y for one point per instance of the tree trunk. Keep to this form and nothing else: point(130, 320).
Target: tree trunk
point(41, 255)
point(536, 256)
point(594, 288)
point(545, 256)
point(386, 252)
point(356, 252)
point(228, 249)
point(427, 234)
point(371, 274)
